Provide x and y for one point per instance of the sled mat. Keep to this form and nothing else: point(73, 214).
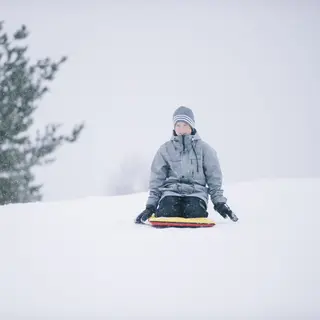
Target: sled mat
point(165, 222)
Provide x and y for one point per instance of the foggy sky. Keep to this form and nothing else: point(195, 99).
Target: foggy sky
point(249, 70)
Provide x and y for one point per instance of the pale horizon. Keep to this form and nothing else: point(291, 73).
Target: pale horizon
point(250, 72)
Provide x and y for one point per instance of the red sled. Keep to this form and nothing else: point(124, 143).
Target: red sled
point(177, 222)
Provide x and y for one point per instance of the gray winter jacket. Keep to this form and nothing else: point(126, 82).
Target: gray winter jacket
point(185, 166)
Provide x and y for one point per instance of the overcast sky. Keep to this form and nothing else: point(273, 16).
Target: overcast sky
point(250, 71)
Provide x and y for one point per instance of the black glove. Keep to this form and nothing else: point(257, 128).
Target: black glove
point(145, 214)
point(224, 210)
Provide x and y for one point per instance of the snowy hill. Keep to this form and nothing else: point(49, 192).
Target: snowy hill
point(86, 259)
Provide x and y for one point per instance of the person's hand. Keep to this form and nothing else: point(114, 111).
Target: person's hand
point(145, 214)
point(224, 210)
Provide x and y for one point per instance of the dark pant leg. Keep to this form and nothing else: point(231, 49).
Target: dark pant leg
point(169, 206)
point(194, 207)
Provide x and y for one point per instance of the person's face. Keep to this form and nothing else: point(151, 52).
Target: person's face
point(182, 128)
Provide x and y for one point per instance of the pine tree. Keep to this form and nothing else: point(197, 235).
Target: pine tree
point(22, 86)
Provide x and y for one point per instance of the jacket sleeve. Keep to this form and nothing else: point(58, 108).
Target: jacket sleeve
point(158, 175)
point(213, 174)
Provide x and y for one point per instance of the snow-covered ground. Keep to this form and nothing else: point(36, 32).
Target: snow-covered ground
point(86, 259)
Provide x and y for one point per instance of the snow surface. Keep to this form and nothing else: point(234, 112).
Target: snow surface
point(86, 259)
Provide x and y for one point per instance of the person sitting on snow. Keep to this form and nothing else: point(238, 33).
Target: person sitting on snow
point(181, 170)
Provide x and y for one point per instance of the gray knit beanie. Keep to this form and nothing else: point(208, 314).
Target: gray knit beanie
point(184, 114)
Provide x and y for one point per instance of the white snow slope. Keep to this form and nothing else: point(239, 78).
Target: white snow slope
point(86, 259)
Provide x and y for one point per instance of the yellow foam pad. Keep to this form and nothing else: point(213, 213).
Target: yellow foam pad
point(181, 220)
